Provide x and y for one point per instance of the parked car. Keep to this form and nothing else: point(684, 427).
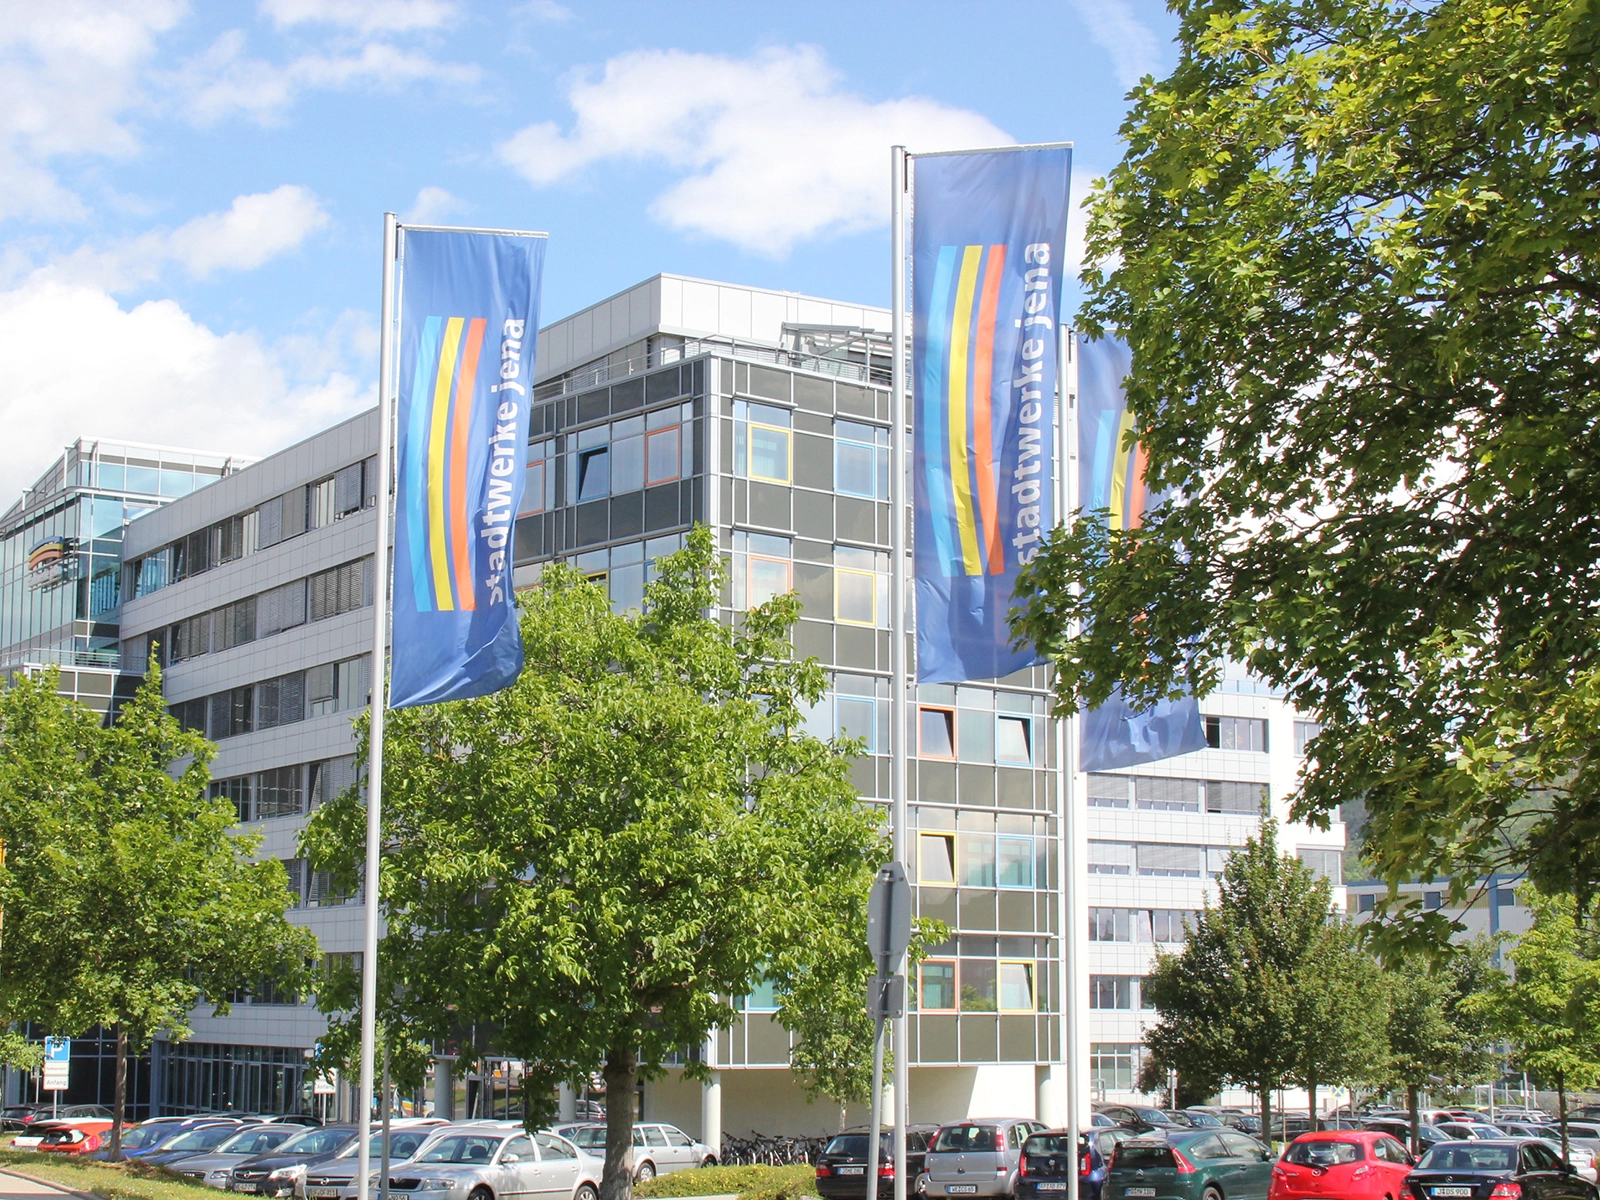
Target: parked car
point(658, 1149)
point(978, 1157)
point(12, 1117)
point(67, 1112)
point(1107, 1140)
point(202, 1139)
point(1205, 1164)
point(335, 1176)
point(842, 1165)
point(1471, 1131)
point(1198, 1118)
point(149, 1137)
point(32, 1135)
point(215, 1167)
point(1099, 1120)
point(1401, 1132)
point(474, 1163)
point(82, 1136)
point(1348, 1164)
point(1048, 1160)
point(1140, 1117)
point(1508, 1169)
point(1243, 1122)
point(278, 1171)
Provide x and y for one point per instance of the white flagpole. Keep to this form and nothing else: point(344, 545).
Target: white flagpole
point(380, 621)
point(898, 630)
point(1071, 834)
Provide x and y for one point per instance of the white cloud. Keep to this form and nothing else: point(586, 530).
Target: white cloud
point(69, 72)
point(253, 230)
point(432, 205)
point(1134, 48)
point(773, 150)
point(77, 363)
point(368, 16)
point(223, 80)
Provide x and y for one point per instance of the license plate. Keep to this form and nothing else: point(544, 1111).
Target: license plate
point(244, 1187)
point(961, 1189)
point(1059, 1185)
point(325, 1193)
point(1138, 1191)
point(1451, 1191)
point(852, 1170)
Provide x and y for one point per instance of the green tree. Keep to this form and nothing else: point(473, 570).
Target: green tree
point(1353, 247)
point(1229, 1004)
point(1549, 1007)
point(1435, 1031)
point(1340, 1009)
point(593, 860)
point(127, 900)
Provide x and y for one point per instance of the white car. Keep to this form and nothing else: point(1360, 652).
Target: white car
point(483, 1163)
point(658, 1149)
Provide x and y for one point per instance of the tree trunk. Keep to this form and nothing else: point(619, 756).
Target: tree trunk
point(1266, 1114)
point(1413, 1104)
point(119, 1096)
point(1311, 1102)
point(622, 1073)
point(1561, 1109)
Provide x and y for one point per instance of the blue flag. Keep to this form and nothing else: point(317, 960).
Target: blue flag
point(1112, 478)
point(988, 246)
point(469, 320)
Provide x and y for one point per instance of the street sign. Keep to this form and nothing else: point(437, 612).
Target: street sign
point(323, 1086)
point(889, 917)
point(57, 1060)
point(886, 997)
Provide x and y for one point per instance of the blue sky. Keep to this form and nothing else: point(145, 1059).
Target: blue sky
point(191, 194)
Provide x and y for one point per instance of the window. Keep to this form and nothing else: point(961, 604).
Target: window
point(1304, 731)
point(1111, 1066)
point(857, 717)
point(1013, 739)
point(340, 590)
point(627, 456)
point(319, 503)
point(762, 447)
point(977, 859)
point(295, 869)
point(330, 778)
point(1111, 991)
point(1245, 799)
point(676, 1137)
point(937, 992)
point(1432, 900)
point(1110, 925)
point(936, 732)
point(1171, 862)
point(662, 456)
point(1171, 925)
point(539, 479)
point(1014, 862)
point(1016, 986)
point(936, 858)
point(1236, 733)
point(1366, 902)
point(280, 793)
point(979, 985)
point(761, 568)
point(231, 713)
point(861, 460)
point(1109, 791)
point(1217, 859)
point(860, 586)
point(1155, 794)
point(1505, 897)
point(1325, 864)
point(281, 701)
point(1110, 858)
point(762, 998)
point(337, 687)
point(594, 474)
point(236, 791)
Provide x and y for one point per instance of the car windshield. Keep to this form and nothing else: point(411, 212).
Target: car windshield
point(1459, 1157)
point(964, 1137)
point(1323, 1153)
point(317, 1141)
point(588, 1138)
point(854, 1145)
point(463, 1148)
point(203, 1138)
point(1142, 1154)
point(145, 1135)
point(402, 1144)
point(1049, 1143)
point(255, 1141)
point(1203, 1120)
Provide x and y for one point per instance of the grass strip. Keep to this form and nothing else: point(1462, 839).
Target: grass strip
point(749, 1183)
point(132, 1180)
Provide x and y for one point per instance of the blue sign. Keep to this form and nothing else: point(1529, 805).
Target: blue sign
point(989, 261)
point(57, 1049)
point(1112, 480)
point(469, 322)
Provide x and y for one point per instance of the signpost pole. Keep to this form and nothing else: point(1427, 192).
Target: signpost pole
point(888, 935)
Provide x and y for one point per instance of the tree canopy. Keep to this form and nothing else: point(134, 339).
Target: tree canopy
point(1353, 247)
point(128, 901)
point(587, 866)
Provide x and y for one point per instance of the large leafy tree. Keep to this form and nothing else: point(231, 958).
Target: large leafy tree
point(588, 863)
point(127, 900)
point(1231, 1003)
point(1354, 248)
point(1549, 1007)
point(1341, 1005)
point(1435, 1029)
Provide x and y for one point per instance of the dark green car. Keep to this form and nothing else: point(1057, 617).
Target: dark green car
point(1198, 1164)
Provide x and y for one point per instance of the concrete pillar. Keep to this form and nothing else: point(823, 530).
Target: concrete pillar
point(567, 1102)
point(711, 1113)
point(444, 1088)
point(1052, 1081)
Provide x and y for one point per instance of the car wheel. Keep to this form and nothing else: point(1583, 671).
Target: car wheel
point(921, 1186)
point(480, 1193)
point(645, 1173)
point(586, 1192)
point(1211, 1193)
point(711, 1161)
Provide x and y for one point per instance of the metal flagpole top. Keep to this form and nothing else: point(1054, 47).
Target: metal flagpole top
point(989, 150)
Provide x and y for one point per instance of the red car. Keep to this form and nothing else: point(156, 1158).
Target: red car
point(76, 1137)
point(1347, 1164)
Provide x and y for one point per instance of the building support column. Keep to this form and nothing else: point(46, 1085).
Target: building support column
point(711, 1113)
point(444, 1088)
point(566, 1102)
point(1052, 1101)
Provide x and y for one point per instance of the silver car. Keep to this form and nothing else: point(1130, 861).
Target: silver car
point(496, 1164)
point(216, 1166)
point(978, 1157)
point(658, 1149)
point(332, 1178)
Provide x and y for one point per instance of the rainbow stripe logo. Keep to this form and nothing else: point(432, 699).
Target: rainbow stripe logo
point(957, 423)
point(1129, 498)
point(434, 470)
